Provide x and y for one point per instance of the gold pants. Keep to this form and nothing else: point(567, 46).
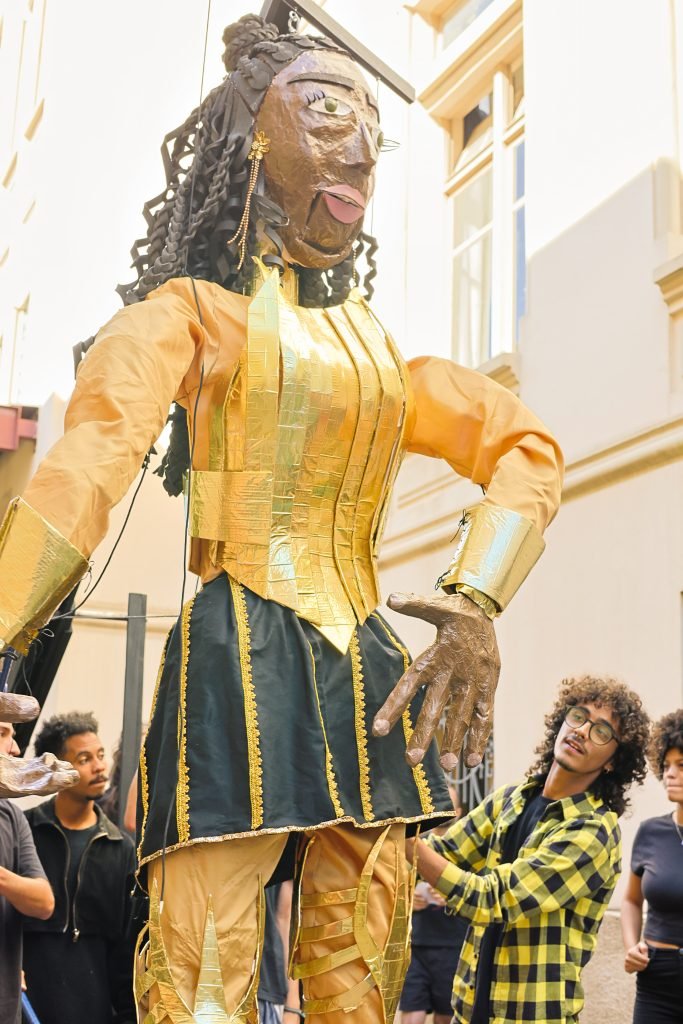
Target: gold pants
point(349, 928)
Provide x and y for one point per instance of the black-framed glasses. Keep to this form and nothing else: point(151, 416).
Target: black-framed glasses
point(600, 732)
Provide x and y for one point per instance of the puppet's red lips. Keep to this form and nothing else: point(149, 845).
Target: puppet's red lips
point(346, 204)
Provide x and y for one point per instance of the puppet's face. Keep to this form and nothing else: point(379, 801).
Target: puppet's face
point(323, 127)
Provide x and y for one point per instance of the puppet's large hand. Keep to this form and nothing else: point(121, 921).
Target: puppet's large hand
point(38, 776)
point(460, 671)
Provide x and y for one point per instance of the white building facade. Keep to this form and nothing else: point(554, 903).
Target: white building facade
point(530, 225)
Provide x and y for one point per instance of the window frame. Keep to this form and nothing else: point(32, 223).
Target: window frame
point(507, 130)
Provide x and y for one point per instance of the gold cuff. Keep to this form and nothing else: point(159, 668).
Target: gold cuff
point(496, 551)
point(38, 569)
point(485, 603)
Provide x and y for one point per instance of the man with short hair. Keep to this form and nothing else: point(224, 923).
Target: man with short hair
point(79, 963)
point(23, 890)
point(533, 867)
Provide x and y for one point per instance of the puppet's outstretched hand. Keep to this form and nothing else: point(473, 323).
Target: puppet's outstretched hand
point(37, 776)
point(460, 671)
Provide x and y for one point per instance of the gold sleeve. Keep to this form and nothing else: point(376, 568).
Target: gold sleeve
point(119, 407)
point(43, 569)
point(486, 434)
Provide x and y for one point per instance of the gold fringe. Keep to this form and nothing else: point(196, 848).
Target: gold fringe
point(183, 787)
point(302, 829)
point(361, 731)
point(250, 707)
point(144, 792)
point(419, 775)
point(329, 768)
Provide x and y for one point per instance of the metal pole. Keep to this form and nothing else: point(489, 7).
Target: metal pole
point(278, 11)
point(131, 737)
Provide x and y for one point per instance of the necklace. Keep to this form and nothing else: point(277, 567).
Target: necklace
point(676, 826)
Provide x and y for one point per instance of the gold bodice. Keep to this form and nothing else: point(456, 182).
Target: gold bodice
point(305, 444)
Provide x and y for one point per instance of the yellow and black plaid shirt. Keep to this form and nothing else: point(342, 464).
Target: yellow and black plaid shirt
point(550, 901)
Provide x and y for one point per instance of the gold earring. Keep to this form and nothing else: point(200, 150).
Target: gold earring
point(259, 147)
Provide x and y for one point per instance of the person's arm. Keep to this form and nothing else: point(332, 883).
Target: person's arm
point(572, 863)
point(130, 813)
point(30, 896)
point(466, 842)
point(636, 958)
point(28, 890)
point(123, 391)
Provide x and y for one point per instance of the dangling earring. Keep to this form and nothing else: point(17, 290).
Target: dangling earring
point(259, 147)
point(355, 279)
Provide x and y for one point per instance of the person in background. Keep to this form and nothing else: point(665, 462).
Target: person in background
point(437, 938)
point(533, 867)
point(272, 989)
point(657, 876)
point(23, 890)
point(79, 963)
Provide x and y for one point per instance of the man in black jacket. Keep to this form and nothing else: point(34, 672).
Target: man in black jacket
point(79, 963)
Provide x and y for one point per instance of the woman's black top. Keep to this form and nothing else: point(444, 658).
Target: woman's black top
point(657, 859)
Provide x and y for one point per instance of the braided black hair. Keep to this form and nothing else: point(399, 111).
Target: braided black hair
point(206, 164)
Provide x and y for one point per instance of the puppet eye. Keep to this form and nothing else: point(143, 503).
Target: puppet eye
point(330, 105)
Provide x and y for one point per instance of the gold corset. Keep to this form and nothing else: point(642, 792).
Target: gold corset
point(305, 444)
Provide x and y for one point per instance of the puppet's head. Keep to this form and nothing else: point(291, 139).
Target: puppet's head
point(307, 193)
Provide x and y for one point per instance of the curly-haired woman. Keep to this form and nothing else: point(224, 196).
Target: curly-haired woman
point(657, 876)
point(298, 410)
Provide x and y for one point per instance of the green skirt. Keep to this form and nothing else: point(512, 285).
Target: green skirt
point(260, 725)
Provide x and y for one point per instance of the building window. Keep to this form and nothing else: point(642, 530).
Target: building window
point(471, 297)
point(461, 17)
point(519, 235)
point(486, 189)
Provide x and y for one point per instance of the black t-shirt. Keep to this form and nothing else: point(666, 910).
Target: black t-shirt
point(78, 839)
point(515, 838)
point(17, 854)
point(657, 859)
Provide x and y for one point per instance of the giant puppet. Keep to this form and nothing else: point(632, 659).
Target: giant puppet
point(272, 725)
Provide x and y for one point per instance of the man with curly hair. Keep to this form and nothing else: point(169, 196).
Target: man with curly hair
point(79, 961)
point(533, 867)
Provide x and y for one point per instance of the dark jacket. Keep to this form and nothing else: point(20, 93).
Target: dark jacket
point(101, 908)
